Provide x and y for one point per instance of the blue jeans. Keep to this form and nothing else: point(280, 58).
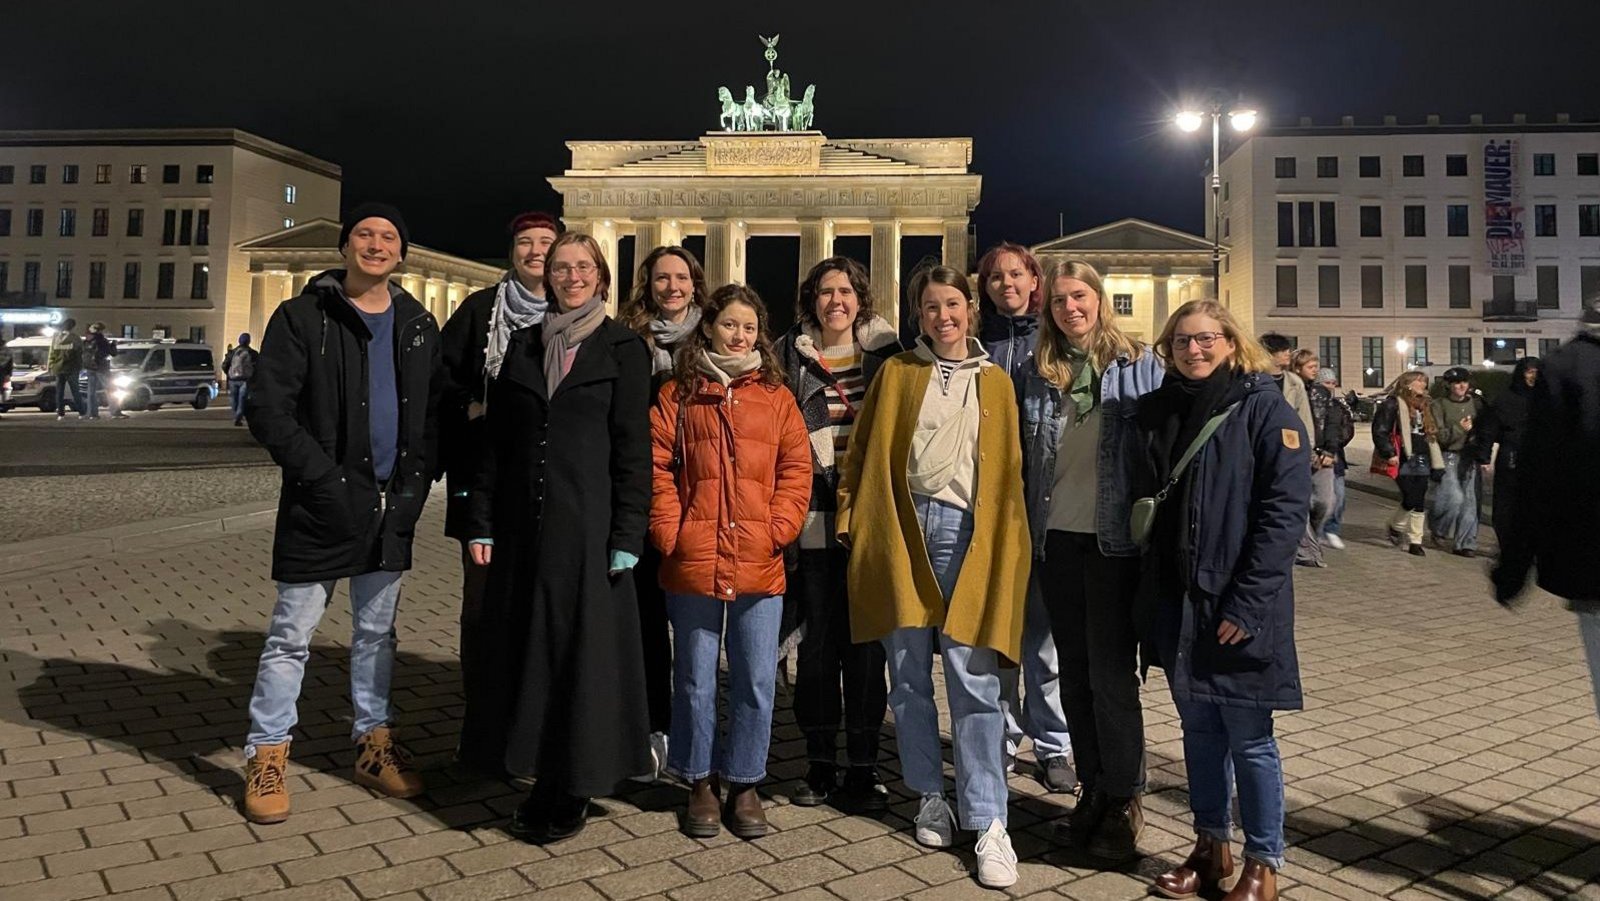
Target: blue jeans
point(374, 597)
point(1589, 627)
point(1335, 520)
point(696, 748)
point(972, 688)
point(1453, 515)
point(95, 385)
point(67, 383)
point(1038, 715)
point(237, 392)
point(1221, 744)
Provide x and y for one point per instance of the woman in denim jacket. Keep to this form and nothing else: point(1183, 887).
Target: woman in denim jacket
point(1080, 445)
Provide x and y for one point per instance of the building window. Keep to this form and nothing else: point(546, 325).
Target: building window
point(1589, 220)
point(186, 227)
point(102, 174)
point(130, 281)
point(67, 227)
point(1589, 164)
point(1419, 352)
point(35, 222)
point(204, 174)
point(1227, 226)
point(289, 193)
point(1372, 287)
point(1460, 287)
point(64, 279)
point(30, 277)
point(1455, 165)
point(135, 223)
point(1326, 224)
point(1544, 220)
point(1455, 220)
point(1327, 167)
point(5, 223)
point(36, 174)
point(1372, 222)
point(1122, 304)
point(1225, 191)
point(1548, 280)
point(69, 174)
point(1588, 281)
point(169, 227)
point(1328, 286)
point(138, 174)
point(1460, 351)
point(1283, 167)
point(130, 331)
point(1372, 363)
point(287, 222)
point(1308, 223)
point(1411, 166)
point(1416, 221)
point(8, 174)
point(1285, 224)
point(97, 279)
point(1329, 354)
point(5, 276)
point(170, 174)
point(1288, 286)
point(199, 283)
point(197, 334)
point(1416, 287)
point(1548, 345)
point(101, 225)
point(1369, 167)
point(202, 228)
point(1504, 288)
point(165, 275)
point(1544, 164)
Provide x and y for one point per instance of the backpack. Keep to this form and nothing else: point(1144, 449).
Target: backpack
point(241, 364)
point(1340, 423)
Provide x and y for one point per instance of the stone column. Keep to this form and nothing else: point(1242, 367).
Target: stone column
point(1158, 302)
point(672, 233)
point(646, 237)
point(956, 246)
point(886, 269)
point(258, 304)
point(816, 243)
point(297, 283)
point(438, 291)
point(725, 262)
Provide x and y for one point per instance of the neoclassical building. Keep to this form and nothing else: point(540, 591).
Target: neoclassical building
point(730, 187)
point(1148, 269)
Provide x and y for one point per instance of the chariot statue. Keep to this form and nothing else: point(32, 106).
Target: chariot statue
point(776, 110)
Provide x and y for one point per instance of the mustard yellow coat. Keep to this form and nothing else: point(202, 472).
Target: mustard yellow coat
point(892, 585)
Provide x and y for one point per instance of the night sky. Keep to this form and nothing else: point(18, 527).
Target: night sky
point(457, 111)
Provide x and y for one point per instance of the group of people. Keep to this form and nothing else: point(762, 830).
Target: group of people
point(1023, 490)
point(88, 355)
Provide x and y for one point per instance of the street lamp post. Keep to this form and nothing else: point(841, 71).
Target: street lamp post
point(1242, 120)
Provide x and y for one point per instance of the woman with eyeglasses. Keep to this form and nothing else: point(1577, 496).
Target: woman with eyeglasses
point(559, 510)
point(1227, 463)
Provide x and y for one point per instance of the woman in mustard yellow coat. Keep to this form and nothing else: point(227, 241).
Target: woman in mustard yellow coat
point(931, 507)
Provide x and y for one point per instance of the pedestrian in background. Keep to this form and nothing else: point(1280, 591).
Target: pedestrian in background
point(240, 367)
point(1405, 447)
point(64, 363)
point(97, 354)
point(1504, 423)
point(1453, 515)
point(1326, 439)
point(1343, 422)
point(8, 366)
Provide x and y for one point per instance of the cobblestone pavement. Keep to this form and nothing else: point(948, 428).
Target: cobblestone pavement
point(1449, 749)
point(45, 506)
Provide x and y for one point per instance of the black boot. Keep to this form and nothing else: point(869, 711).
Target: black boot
point(818, 786)
point(863, 791)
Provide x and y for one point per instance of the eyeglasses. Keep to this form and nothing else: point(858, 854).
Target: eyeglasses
point(1204, 339)
point(562, 270)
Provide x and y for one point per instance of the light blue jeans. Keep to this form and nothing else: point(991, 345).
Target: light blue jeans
point(1038, 715)
point(238, 393)
point(972, 688)
point(696, 748)
point(374, 597)
point(1221, 744)
point(1453, 513)
point(1335, 521)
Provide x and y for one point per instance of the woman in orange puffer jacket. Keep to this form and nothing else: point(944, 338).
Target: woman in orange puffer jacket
point(732, 483)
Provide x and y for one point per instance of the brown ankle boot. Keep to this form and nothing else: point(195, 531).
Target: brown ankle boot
point(742, 812)
point(266, 795)
point(1258, 882)
point(701, 819)
point(383, 765)
point(1207, 865)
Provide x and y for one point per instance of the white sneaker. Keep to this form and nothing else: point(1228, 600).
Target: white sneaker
point(997, 863)
point(936, 825)
point(658, 757)
point(1333, 541)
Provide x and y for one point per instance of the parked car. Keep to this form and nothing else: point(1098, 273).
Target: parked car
point(31, 385)
point(147, 374)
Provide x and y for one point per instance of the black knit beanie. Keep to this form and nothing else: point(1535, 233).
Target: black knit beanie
point(375, 211)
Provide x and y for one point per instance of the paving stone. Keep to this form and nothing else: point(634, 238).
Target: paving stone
point(403, 878)
point(637, 882)
point(221, 887)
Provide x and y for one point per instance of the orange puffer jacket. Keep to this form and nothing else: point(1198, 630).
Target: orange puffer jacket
point(723, 518)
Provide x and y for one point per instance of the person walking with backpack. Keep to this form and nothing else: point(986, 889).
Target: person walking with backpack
point(65, 362)
point(97, 353)
point(240, 367)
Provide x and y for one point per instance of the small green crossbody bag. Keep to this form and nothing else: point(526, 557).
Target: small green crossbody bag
point(1143, 516)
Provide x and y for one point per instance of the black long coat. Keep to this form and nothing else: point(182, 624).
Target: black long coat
point(562, 481)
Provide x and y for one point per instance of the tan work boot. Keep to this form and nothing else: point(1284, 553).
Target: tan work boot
point(266, 795)
point(383, 765)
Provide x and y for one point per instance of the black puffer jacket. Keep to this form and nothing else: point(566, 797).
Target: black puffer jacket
point(463, 340)
point(308, 407)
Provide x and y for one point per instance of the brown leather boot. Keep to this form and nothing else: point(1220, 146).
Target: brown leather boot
point(1258, 882)
point(701, 819)
point(266, 796)
point(742, 812)
point(1207, 865)
point(383, 765)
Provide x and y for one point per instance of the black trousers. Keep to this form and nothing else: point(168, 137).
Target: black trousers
point(473, 580)
point(1413, 492)
point(657, 640)
point(1505, 492)
point(1089, 597)
point(829, 661)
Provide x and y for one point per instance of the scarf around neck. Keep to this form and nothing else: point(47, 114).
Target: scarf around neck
point(665, 335)
point(564, 331)
point(724, 368)
point(1082, 391)
point(515, 307)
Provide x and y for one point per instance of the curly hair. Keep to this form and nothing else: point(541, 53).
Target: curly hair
point(805, 304)
point(686, 364)
point(641, 306)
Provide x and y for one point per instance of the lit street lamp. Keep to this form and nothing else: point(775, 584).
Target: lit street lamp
point(1242, 120)
point(1401, 346)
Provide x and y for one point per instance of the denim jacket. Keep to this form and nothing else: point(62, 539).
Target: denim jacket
point(1043, 415)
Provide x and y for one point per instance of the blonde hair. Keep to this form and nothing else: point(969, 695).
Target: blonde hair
point(1248, 354)
point(1396, 390)
point(1107, 340)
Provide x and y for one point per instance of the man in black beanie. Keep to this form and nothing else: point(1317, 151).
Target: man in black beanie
point(343, 398)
